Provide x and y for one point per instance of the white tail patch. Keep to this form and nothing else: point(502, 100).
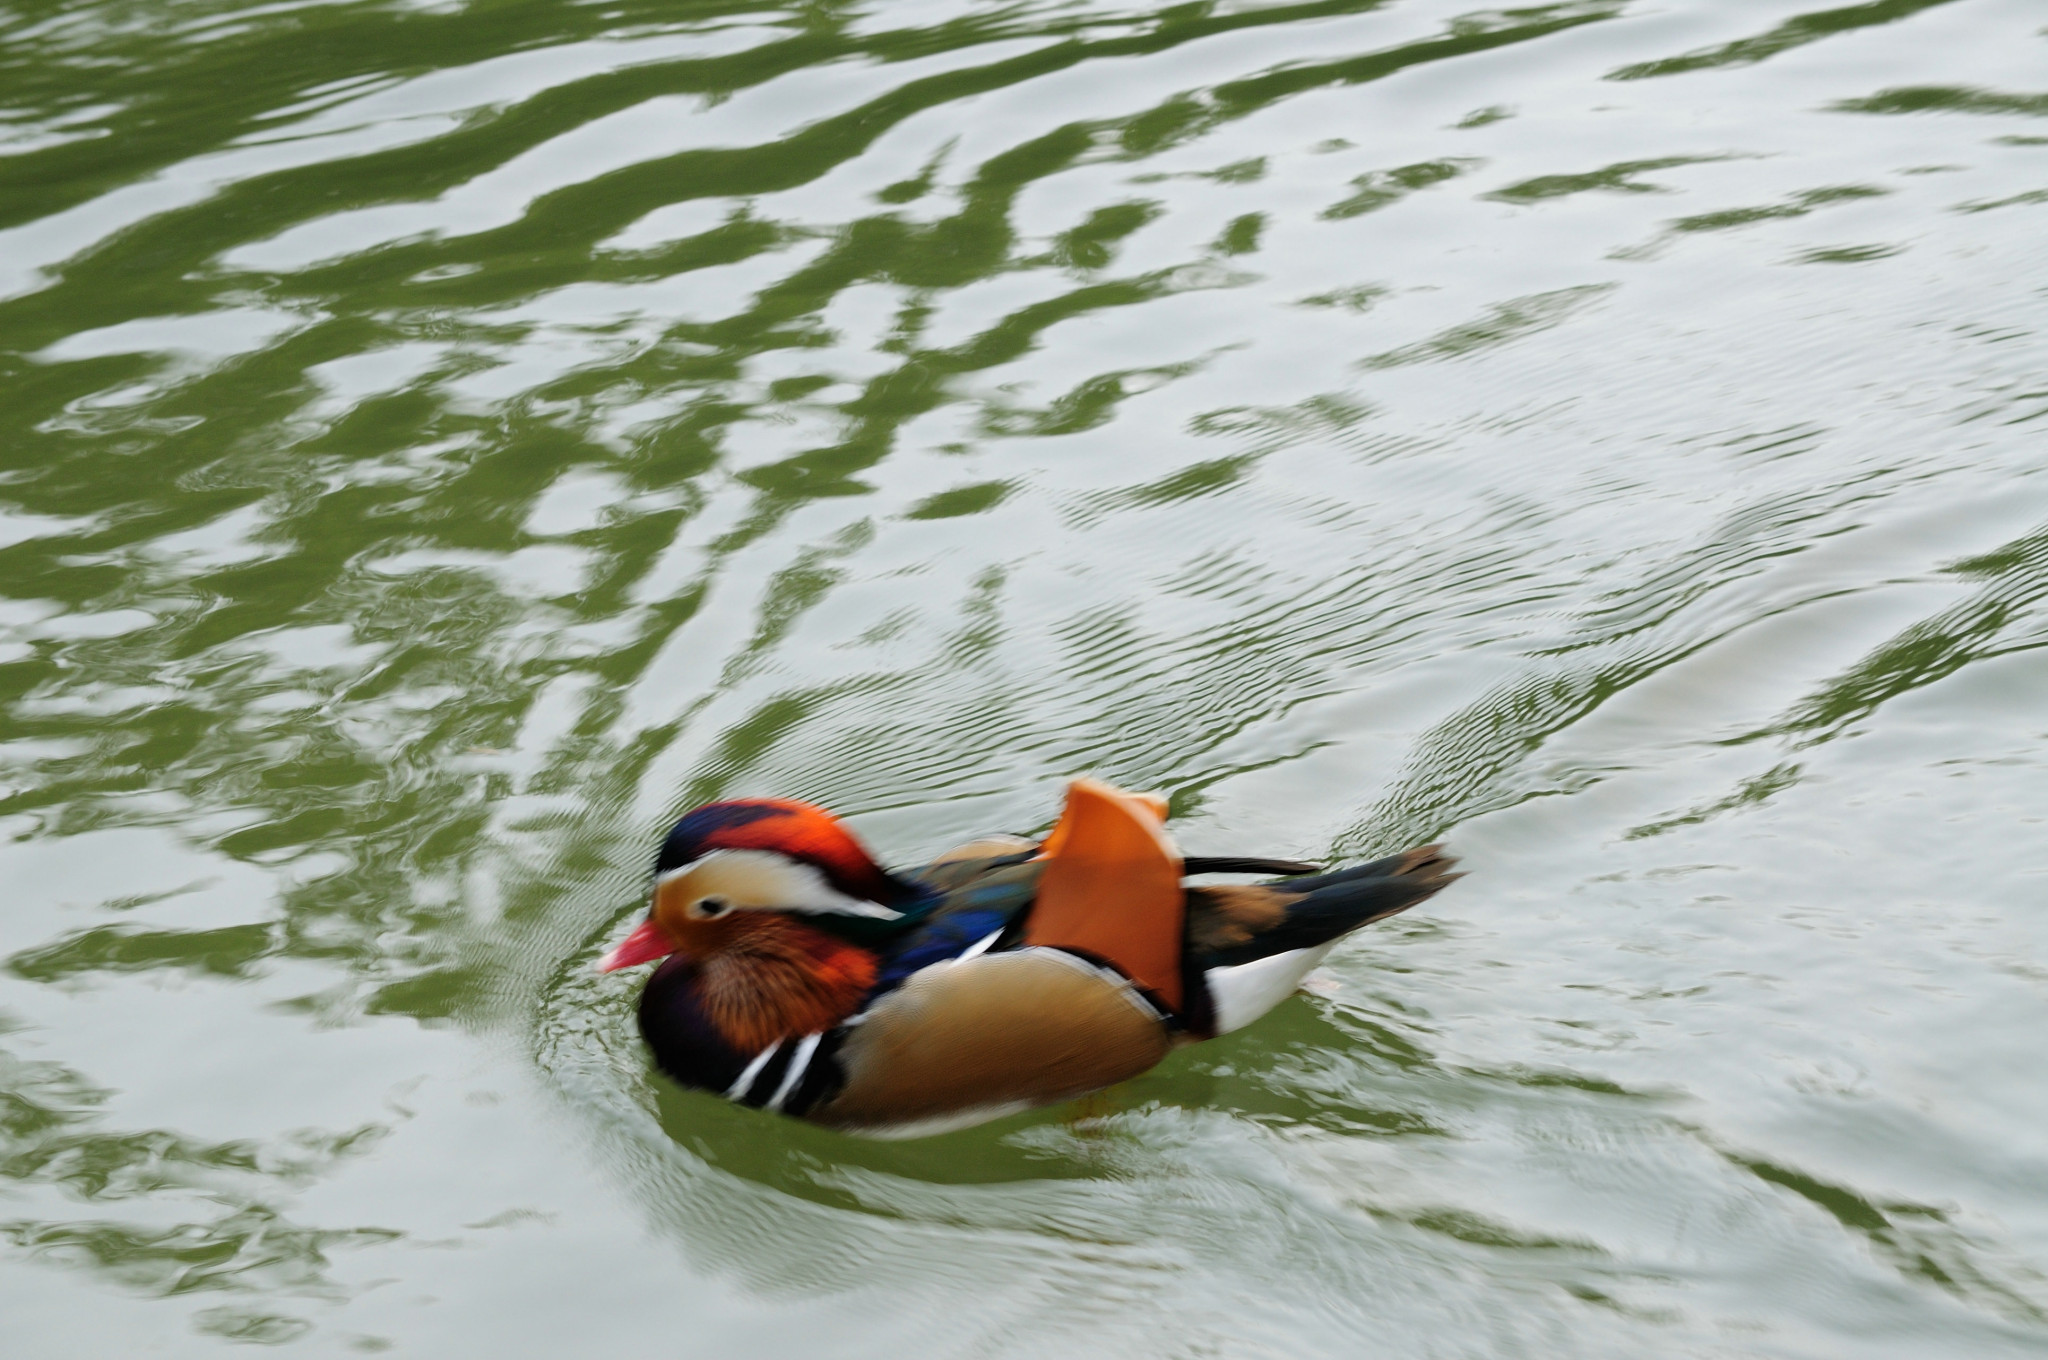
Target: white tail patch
point(1245, 991)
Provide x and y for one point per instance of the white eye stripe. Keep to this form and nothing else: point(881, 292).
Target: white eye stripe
point(765, 880)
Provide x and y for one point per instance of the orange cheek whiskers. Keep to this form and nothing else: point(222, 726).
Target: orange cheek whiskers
point(773, 978)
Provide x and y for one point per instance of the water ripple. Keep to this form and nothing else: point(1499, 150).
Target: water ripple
point(442, 441)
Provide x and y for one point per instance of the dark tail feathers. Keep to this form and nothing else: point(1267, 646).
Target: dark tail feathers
point(1237, 925)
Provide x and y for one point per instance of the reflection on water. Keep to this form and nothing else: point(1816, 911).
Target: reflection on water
point(442, 441)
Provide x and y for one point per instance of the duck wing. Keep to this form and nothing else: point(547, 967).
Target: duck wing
point(1104, 885)
point(982, 900)
point(977, 1039)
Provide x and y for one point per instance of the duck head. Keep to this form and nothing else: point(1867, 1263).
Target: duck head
point(732, 874)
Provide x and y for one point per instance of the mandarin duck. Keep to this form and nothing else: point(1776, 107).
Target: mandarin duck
point(801, 977)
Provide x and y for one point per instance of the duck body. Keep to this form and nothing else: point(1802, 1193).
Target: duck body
point(799, 977)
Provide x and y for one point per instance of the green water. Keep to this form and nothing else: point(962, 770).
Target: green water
point(440, 442)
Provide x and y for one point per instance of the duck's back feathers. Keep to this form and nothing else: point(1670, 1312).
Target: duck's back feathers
point(980, 901)
point(1244, 864)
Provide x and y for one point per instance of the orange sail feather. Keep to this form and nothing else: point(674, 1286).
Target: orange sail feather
point(1112, 886)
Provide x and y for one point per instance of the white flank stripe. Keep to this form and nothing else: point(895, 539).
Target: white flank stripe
point(798, 1061)
point(980, 946)
point(751, 1070)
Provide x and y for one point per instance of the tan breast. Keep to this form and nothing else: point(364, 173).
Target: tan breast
point(996, 1033)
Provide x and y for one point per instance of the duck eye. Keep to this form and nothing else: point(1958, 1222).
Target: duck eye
point(710, 908)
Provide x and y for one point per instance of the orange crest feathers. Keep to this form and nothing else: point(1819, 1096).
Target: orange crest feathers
point(801, 831)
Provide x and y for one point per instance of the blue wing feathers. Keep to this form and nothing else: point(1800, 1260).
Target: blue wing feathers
point(944, 937)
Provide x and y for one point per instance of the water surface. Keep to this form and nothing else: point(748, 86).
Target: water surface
point(441, 442)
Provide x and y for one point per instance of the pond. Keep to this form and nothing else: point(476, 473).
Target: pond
point(441, 442)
